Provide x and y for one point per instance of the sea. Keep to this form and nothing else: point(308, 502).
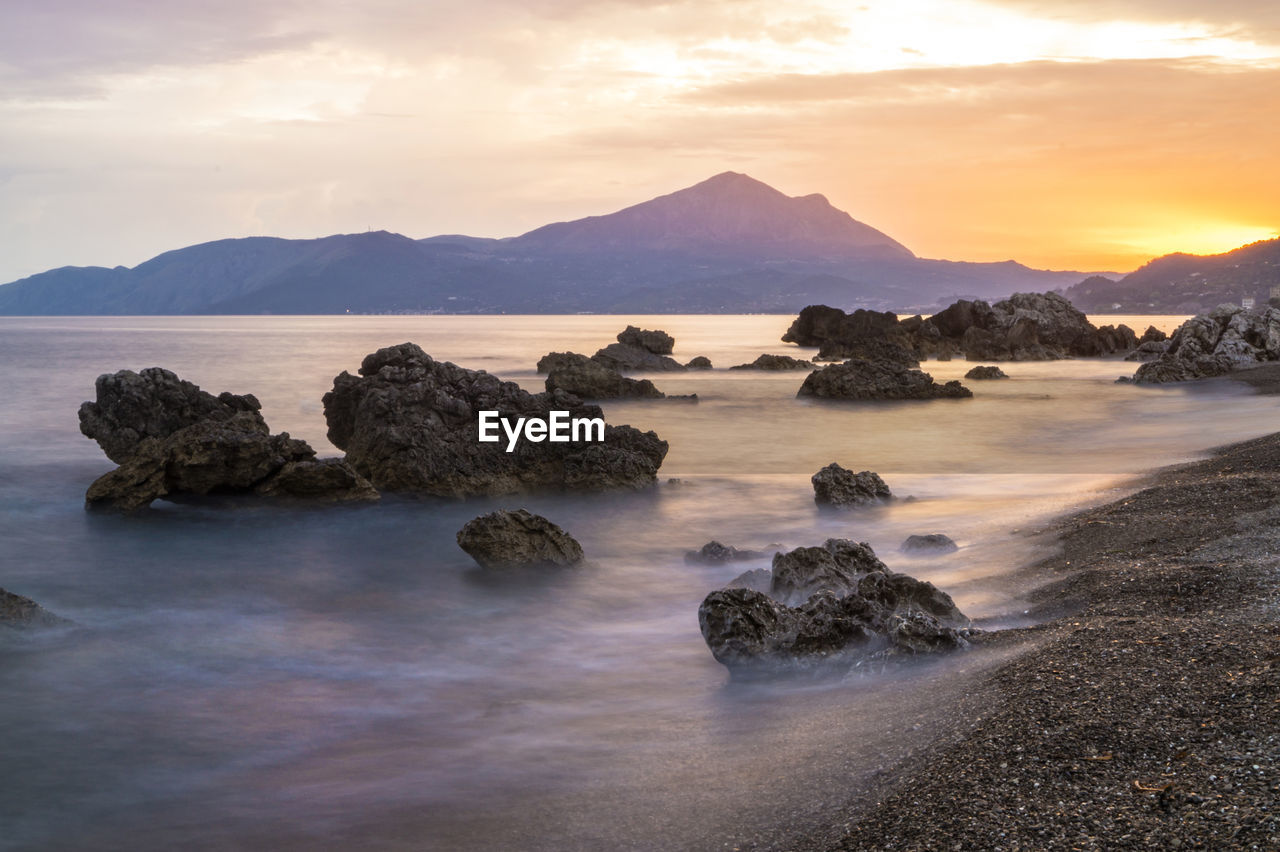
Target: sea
point(256, 676)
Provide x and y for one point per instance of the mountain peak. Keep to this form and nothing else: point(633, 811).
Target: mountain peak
point(727, 214)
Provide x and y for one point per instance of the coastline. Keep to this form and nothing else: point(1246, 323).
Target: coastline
point(1143, 713)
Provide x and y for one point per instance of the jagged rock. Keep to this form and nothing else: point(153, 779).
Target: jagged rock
point(17, 612)
point(409, 423)
point(582, 377)
point(551, 360)
point(224, 447)
point(700, 362)
point(621, 356)
point(776, 362)
point(866, 380)
point(657, 342)
point(931, 543)
point(513, 539)
point(985, 373)
point(1119, 338)
point(759, 580)
point(715, 553)
point(1152, 335)
point(1148, 351)
point(1225, 339)
point(854, 610)
point(837, 486)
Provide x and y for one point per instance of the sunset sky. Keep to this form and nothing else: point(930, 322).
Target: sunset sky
point(1062, 134)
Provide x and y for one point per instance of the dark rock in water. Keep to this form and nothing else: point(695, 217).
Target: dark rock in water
point(715, 553)
point(620, 356)
point(870, 335)
point(870, 380)
point(131, 407)
point(986, 373)
point(230, 450)
point(513, 539)
point(856, 610)
point(880, 349)
point(551, 360)
point(701, 362)
point(758, 580)
point(1221, 341)
point(776, 362)
point(931, 543)
point(657, 342)
point(19, 612)
point(1152, 335)
point(409, 423)
point(1119, 338)
point(838, 486)
point(588, 379)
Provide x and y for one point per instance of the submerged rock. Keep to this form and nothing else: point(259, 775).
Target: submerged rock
point(776, 362)
point(838, 486)
point(582, 377)
point(409, 423)
point(984, 373)
point(931, 543)
point(513, 539)
point(17, 612)
point(1221, 341)
point(656, 341)
point(877, 380)
point(828, 608)
point(715, 553)
point(171, 439)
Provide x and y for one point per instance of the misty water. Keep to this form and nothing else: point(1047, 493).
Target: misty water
point(259, 676)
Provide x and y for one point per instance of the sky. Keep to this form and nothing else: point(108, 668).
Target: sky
point(1063, 134)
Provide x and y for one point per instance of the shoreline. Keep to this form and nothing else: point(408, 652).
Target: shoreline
point(1143, 711)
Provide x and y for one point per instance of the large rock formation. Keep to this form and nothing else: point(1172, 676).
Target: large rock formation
point(658, 342)
point(588, 379)
point(871, 335)
point(623, 356)
point(409, 423)
point(838, 486)
point(1225, 339)
point(868, 380)
point(170, 438)
point(828, 608)
point(19, 612)
point(776, 362)
point(514, 539)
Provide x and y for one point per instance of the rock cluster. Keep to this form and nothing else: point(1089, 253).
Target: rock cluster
point(1225, 339)
point(171, 438)
point(408, 423)
point(519, 538)
point(588, 379)
point(715, 553)
point(827, 608)
point(776, 362)
point(637, 349)
point(859, 379)
point(985, 373)
point(838, 486)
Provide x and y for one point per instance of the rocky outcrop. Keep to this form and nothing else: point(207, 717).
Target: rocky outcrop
point(985, 373)
point(870, 380)
point(715, 553)
point(622, 356)
point(172, 439)
point(828, 608)
point(17, 612)
point(699, 362)
point(1148, 351)
point(409, 423)
point(870, 335)
point(1152, 335)
point(776, 362)
point(1225, 339)
point(657, 342)
point(588, 379)
point(838, 486)
point(515, 539)
point(930, 543)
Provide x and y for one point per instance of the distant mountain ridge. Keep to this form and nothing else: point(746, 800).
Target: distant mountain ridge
point(729, 244)
point(1186, 283)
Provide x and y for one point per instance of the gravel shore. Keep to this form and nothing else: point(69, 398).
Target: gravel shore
point(1145, 712)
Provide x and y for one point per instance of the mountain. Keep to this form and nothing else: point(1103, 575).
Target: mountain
point(728, 244)
point(1186, 283)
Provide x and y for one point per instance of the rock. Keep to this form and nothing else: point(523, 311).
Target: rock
point(759, 580)
point(701, 362)
point(856, 611)
point(776, 362)
point(715, 553)
point(837, 486)
point(1223, 340)
point(657, 342)
point(931, 543)
point(582, 377)
point(867, 380)
point(224, 448)
point(514, 539)
point(1148, 351)
point(984, 373)
point(551, 360)
point(409, 423)
point(621, 356)
point(1152, 335)
point(17, 612)
point(1119, 338)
